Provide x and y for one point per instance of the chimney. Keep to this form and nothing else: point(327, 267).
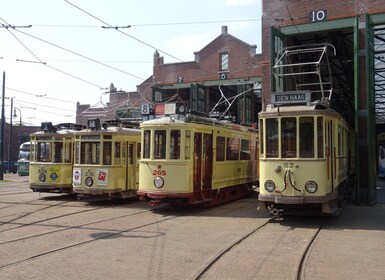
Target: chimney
point(224, 29)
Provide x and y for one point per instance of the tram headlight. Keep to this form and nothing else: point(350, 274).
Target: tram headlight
point(269, 185)
point(89, 181)
point(42, 177)
point(311, 186)
point(158, 182)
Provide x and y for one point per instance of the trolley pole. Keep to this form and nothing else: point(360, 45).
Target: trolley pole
point(2, 130)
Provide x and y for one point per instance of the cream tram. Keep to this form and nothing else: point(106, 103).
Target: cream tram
point(307, 150)
point(51, 158)
point(194, 160)
point(106, 160)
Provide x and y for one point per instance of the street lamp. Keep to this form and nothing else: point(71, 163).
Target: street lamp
point(10, 137)
point(20, 123)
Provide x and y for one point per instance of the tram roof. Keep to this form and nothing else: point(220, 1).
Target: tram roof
point(298, 109)
point(193, 119)
point(108, 130)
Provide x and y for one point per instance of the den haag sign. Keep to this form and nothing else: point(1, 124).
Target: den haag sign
point(290, 97)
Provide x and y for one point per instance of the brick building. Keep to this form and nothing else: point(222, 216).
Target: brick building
point(227, 66)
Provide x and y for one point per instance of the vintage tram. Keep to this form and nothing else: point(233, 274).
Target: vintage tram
point(196, 160)
point(106, 160)
point(51, 158)
point(307, 149)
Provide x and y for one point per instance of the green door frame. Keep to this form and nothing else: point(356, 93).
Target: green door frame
point(353, 23)
point(371, 122)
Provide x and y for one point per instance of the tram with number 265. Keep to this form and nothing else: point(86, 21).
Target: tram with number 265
point(196, 160)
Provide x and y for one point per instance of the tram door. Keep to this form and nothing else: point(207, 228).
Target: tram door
point(130, 174)
point(330, 164)
point(203, 162)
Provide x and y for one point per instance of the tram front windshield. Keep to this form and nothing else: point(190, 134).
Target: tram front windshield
point(294, 137)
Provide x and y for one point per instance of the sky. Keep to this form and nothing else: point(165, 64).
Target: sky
point(55, 53)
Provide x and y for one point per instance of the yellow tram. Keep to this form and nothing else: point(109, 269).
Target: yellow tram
point(194, 160)
point(307, 158)
point(51, 159)
point(307, 149)
point(106, 161)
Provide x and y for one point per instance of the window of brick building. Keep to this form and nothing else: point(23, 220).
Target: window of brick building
point(224, 61)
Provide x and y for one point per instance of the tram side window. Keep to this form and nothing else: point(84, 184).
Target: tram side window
point(232, 149)
point(288, 138)
point(175, 144)
point(58, 151)
point(245, 149)
point(77, 159)
point(271, 138)
point(124, 152)
point(187, 144)
point(146, 143)
point(107, 153)
point(138, 151)
point(130, 154)
point(43, 152)
point(261, 137)
point(117, 153)
point(90, 152)
point(220, 153)
point(68, 151)
point(160, 144)
point(320, 137)
point(306, 137)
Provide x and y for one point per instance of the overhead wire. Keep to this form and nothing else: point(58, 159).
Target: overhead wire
point(118, 30)
point(150, 24)
point(44, 63)
point(83, 56)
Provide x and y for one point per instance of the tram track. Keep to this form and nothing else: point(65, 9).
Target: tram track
point(214, 259)
point(45, 207)
point(267, 266)
point(94, 238)
point(301, 272)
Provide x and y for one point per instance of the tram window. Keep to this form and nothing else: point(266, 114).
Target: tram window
point(58, 151)
point(245, 149)
point(306, 137)
point(138, 151)
point(271, 138)
point(174, 144)
point(146, 143)
point(130, 153)
point(220, 153)
point(124, 152)
point(160, 144)
point(68, 152)
point(77, 159)
point(320, 137)
point(261, 137)
point(117, 153)
point(232, 149)
point(288, 138)
point(107, 153)
point(90, 153)
point(43, 152)
point(187, 144)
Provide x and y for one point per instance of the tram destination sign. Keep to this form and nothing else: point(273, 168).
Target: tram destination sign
point(290, 97)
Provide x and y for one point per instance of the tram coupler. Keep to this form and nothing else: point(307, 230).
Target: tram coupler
point(276, 213)
point(154, 202)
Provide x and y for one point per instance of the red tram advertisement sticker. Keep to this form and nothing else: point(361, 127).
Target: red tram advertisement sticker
point(102, 176)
